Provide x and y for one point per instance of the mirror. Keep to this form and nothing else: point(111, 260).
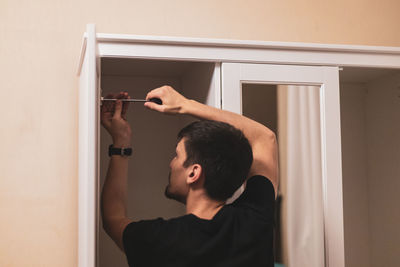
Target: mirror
point(292, 112)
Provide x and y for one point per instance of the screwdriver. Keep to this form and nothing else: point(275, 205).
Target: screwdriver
point(154, 100)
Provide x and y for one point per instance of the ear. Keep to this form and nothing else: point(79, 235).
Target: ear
point(194, 173)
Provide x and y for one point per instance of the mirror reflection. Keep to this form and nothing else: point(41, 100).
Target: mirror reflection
point(292, 112)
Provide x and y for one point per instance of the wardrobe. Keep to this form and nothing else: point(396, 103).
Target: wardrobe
point(359, 111)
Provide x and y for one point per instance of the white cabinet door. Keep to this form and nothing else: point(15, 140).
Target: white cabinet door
point(88, 146)
point(234, 75)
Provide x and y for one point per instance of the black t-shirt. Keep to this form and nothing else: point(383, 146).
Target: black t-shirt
point(240, 234)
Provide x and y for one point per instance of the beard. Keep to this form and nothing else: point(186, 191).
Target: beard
point(170, 195)
point(167, 192)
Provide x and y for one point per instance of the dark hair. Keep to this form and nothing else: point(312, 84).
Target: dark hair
point(223, 152)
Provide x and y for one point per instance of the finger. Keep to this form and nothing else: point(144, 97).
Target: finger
point(154, 106)
point(105, 108)
point(154, 93)
point(120, 95)
point(105, 113)
point(105, 104)
point(106, 123)
point(108, 106)
point(125, 106)
point(106, 119)
point(118, 109)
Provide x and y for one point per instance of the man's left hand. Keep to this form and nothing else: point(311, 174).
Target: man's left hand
point(113, 118)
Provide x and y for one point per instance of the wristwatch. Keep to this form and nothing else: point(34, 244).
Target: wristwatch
point(127, 151)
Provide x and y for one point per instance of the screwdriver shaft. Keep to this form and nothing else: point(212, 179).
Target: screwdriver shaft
point(154, 100)
point(124, 100)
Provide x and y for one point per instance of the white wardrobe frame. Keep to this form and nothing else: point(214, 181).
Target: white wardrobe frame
point(98, 45)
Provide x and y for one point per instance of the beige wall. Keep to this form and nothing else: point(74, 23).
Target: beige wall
point(39, 49)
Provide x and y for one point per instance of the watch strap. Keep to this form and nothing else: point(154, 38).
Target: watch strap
point(123, 151)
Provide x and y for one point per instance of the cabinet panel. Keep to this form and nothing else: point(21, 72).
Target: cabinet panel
point(321, 148)
point(370, 108)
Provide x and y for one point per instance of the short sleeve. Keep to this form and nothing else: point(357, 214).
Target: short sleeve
point(140, 239)
point(259, 196)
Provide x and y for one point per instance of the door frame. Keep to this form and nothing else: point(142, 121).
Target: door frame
point(98, 45)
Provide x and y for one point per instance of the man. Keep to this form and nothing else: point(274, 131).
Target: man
point(214, 157)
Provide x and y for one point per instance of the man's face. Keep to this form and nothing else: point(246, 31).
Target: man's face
point(177, 187)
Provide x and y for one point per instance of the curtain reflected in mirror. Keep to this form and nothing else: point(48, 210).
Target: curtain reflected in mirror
point(293, 113)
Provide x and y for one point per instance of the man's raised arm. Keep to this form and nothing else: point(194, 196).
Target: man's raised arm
point(114, 193)
point(262, 139)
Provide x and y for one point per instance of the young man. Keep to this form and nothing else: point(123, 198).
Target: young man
point(214, 157)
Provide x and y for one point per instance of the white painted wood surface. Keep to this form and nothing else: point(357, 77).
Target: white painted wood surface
point(234, 74)
point(129, 38)
point(245, 51)
point(88, 154)
point(219, 50)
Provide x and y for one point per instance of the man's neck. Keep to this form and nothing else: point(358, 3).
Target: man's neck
point(202, 206)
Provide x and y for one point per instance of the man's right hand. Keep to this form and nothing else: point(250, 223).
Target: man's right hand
point(172, 101)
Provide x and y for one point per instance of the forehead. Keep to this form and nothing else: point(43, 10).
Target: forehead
point(181, 145)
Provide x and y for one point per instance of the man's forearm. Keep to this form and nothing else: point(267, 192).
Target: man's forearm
point(262, 139)
point(114, 194)
point(251, 129)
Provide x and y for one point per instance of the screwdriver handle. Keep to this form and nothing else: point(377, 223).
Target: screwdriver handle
point(156, 100)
